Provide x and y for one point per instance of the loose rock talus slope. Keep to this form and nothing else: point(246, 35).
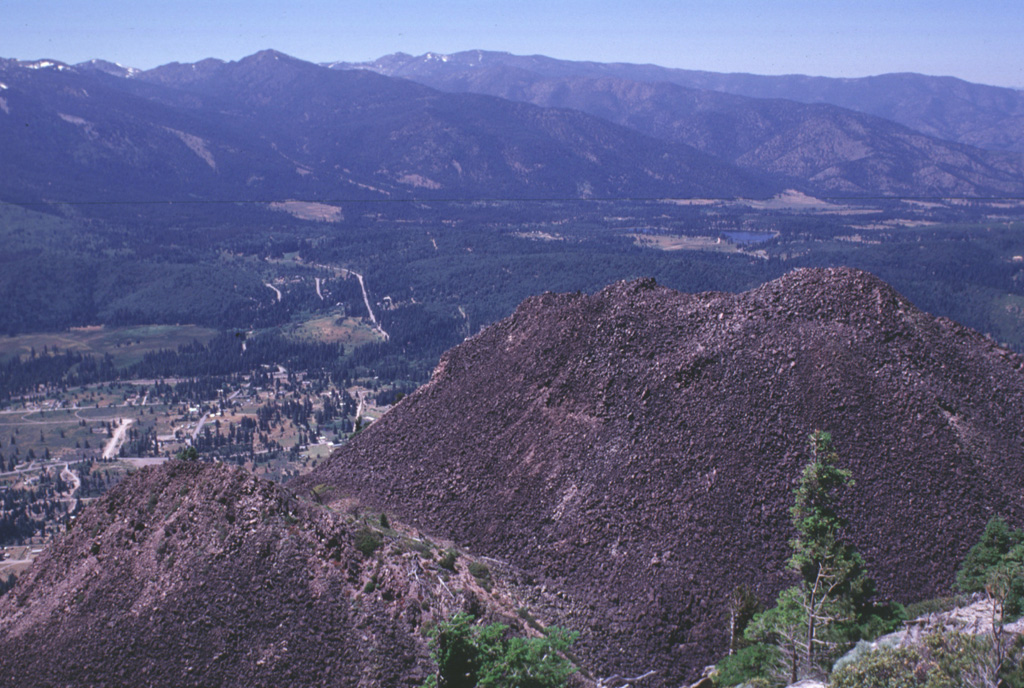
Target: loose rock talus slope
point(192, 575)
point(638, 447)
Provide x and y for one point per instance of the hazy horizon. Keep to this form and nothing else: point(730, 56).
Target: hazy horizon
point(978, 43)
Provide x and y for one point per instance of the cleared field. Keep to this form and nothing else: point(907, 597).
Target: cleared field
point(684, 243)
point(335, 329)
point(17, 560)
point(319, 451)
point(308, 210)
point(126, 345)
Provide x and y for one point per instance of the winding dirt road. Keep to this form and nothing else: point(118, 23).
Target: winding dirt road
point(366, 300)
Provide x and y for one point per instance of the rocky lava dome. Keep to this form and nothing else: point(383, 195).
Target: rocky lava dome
point(637, 449)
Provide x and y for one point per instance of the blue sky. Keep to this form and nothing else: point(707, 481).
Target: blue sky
point(980, 41)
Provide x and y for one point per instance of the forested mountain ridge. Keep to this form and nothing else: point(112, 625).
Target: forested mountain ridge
point(638, 447)
point(944, 107)
point(270, 127)
point(833, 147)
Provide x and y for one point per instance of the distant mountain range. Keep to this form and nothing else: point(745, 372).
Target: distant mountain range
point(487, 125)
point(271, 127)
point(837, 135)
point(945, 107)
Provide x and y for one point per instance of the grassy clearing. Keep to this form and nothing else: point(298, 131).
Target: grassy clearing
point(319, 451)
point(308, 210)
point(127, 345)
point(793, 200)
point(685, 243)
point(335, 328)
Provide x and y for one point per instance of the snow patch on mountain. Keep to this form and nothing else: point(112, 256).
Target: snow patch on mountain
point(45, 64)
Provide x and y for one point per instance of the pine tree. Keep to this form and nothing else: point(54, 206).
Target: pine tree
point(832, 571)
point(473, 656)
point(995, 543)
point(815, 619)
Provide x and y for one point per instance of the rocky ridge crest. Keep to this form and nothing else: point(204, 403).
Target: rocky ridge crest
point(200, 575)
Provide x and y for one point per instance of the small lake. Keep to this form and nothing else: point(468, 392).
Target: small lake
point(750, 237)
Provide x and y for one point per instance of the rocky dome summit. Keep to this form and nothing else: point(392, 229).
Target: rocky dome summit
point(637, 448)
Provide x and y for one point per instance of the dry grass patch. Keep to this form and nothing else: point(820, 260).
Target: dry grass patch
point(684, 243)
